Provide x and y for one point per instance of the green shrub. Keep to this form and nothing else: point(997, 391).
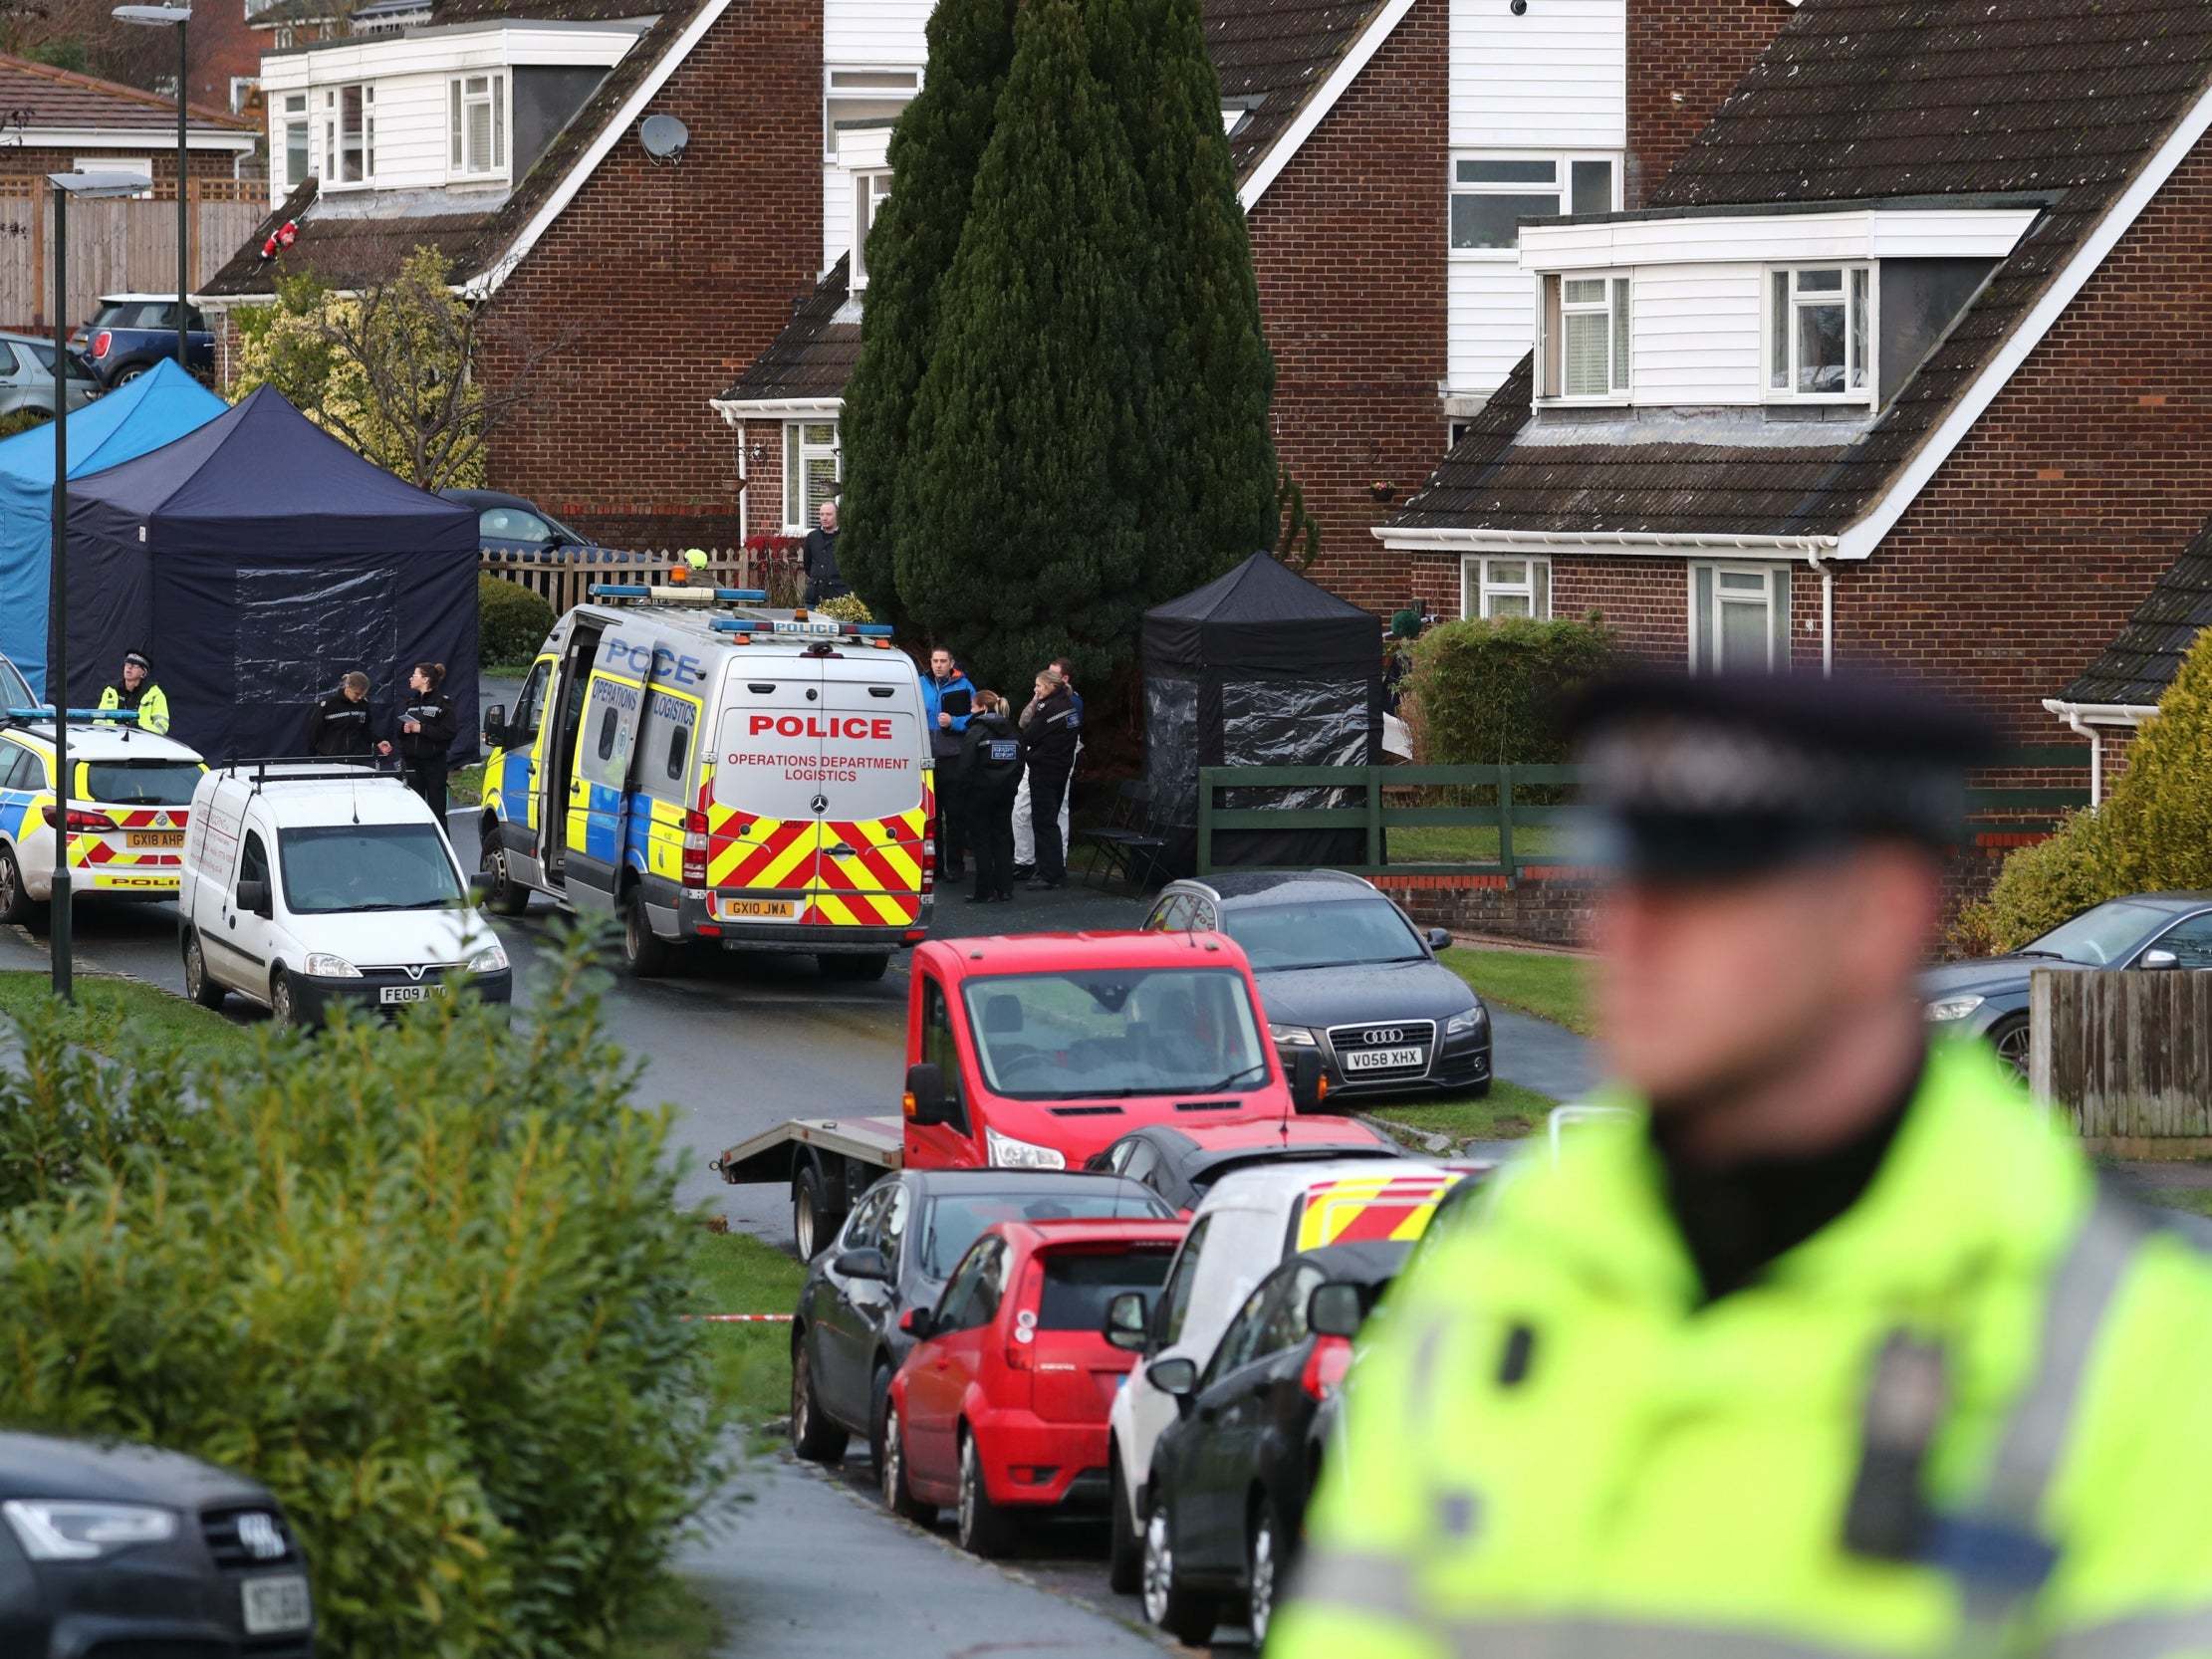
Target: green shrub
point(22, 420)
point(2040, 887)
point(846, 607)
point(419, 1278)
point(1488, 693)
point(510, 621)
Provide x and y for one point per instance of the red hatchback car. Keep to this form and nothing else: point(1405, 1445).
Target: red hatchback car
point(1002, 1404)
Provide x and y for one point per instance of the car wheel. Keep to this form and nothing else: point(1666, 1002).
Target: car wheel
point(128, 375)
point(983, 1531)
point(878, 1402)
point(284, 1005)
point(1262, 1562)
point(1186, 1616)
point(197, 985)
point(813, 1224)
point(644, 951)
point(2010, 1038)
point(504, 895)
point(1124, 1549)
point(14, 906)
point(899, 1496)
point(813, 1436)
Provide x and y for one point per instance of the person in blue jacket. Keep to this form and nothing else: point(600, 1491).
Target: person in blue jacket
point(945, 681)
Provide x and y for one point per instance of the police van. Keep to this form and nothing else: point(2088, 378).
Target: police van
point(707, 770)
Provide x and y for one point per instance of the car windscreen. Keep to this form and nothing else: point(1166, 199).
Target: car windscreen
point(1079, 1283)
point(1115, 1032)
point(1344, 933)
point(336, 867)
point(953, 1224)
point(77, 369)
point(2096, 938)
point(141, 783)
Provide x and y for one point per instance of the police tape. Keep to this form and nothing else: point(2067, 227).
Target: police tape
point(734, 1319)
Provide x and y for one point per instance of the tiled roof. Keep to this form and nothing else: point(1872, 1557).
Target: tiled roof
point(1272, 56)
point(815, 353)
point(60, 98)
point(2136, 668)
point(1859, 99)
point(538, 11)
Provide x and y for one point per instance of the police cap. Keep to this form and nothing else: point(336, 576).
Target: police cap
point(1700, 778)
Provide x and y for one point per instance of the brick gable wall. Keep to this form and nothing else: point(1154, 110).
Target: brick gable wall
point(160, 148)
point(1349, 244)
point(671, 279)
point(1684, 58)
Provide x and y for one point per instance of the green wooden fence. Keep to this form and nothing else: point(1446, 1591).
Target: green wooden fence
point(1506, 814)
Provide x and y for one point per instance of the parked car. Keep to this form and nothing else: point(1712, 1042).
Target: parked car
point(1988, 996)
point(1233, 1471)
point(131, 332)
point(27, 379)
point(1001, 1408)
point(131, 793)
point(1182, 1162)
point(1343, 973)
point(508, 523)
point(126, 1549)
point(895, 1252)
point(1246, 1225)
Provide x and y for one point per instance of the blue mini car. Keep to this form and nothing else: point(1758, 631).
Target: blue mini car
point(131, 332)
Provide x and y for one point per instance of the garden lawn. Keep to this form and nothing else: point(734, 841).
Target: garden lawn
point(1546, 984)
point(464, 786)
point(734, 1272)
point(1468, 843)
point(106, 1005)
point(1507, 1112)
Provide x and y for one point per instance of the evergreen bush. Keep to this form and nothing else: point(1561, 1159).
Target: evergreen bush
point(1488, 693)
point(510, 621)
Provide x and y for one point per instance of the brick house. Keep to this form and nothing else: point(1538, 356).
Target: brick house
point(1901, 364)
point(1384, 150)
point(509, 139)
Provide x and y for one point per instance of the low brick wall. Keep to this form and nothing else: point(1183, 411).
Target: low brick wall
point(1549, 906)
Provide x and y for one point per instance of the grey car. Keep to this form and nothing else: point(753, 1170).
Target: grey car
point(1342, 971)
point(1988, 996)
point(26, 376)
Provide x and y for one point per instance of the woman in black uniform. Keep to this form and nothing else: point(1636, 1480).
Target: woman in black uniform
point(426, 734)
point(339, 727)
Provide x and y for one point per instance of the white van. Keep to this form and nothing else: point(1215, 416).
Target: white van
point(707, 771)
point(308, 882)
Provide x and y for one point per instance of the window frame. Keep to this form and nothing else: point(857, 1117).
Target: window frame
point(1618, 309)
point(1561, 190)
point(797, 453)
point(894, 87)
point(1852, 269)
point(495, 95)
point(286, 111)
point(1475, 598)
point(868, 201)
point(336, 140)
point(1775, 577)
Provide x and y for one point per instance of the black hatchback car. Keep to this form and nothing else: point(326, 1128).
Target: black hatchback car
point(117, 1548)
point(1343, 972)
point(896, 1251)
point(1226, 1500)
point(1182, 1164)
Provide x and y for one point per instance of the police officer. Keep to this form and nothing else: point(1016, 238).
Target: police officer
point(425, 735)
point(1831, 1345)
point(339, 727)
point(989, 772)
point(138, 693)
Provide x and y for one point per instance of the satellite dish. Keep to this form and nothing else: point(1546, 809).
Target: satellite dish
point(663, 138)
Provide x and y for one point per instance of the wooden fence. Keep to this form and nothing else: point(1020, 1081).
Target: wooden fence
point(564, 580)
point(2130, 1055)
point(115, 247)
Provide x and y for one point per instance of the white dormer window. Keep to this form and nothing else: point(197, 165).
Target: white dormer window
point(870, 190)
point(294, 139)
point(1582, 338)
point(348, 135)
point(1820, 333)
point(862, 95)
point(1492, 195)
point(476, 144)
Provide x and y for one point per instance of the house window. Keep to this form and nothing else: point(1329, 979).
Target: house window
point(870, 190)
point(1583, 338)
point(810, 471)
point(348, 135)
point(244, 92)
point(293, 131)
point(476, 138)
point(1506, 588)
point(1739, 616)
point(1492, 195)
point(1820, 333)
point(862, 95)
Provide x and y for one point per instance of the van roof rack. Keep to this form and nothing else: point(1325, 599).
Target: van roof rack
point(317, 768)
point(744, 628)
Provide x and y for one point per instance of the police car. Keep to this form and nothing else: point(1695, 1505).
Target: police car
point(129, 801)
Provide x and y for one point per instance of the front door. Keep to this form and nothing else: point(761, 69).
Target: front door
point(244, 941)
point(557, 744)
point(599, 803)
point(520, 769)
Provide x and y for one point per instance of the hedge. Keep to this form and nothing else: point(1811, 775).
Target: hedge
point(1488, 693)
point(510, 621)
point(421, 1278)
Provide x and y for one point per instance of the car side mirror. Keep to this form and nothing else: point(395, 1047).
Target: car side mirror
point(925, 1101)
point(496, 733)
point(1309, 1088)
point(1333, 1309)
point(918, 1323)
point(2159, 959)
point(1176, 1378)
point(253, 898)
point(865, 1263)
point(1127, 1322)
point(1439, 938)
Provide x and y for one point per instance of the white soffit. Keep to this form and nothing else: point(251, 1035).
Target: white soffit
point(1777, 238)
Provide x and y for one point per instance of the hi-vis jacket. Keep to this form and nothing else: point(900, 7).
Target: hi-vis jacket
point(147, 702)
point(1552, 1448)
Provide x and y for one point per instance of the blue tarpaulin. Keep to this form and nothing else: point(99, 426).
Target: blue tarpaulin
point(257, 558)
point(145, 414)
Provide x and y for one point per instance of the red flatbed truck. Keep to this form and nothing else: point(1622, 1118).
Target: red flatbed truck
point(1037, 1050)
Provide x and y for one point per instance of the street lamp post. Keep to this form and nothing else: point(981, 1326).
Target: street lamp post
point(162, 17)
point(91, 186)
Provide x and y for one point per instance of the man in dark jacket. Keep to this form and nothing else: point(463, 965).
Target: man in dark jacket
point(989, 769)
point(339, 727)
point(1050, 728)
point(947, 696)
point(818, 557)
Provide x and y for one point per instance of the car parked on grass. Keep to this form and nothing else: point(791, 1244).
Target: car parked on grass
point(895, 1252)
point(1001, 1408)
point(1344, 975)
point(1233, 1472)
point(1182, 1162)
point(510, 523)
point(121, 1549)
point(1987, 997)
point(131, 332)
point(27, 379)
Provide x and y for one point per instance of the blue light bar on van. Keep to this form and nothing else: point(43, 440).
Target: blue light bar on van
point(808, 627)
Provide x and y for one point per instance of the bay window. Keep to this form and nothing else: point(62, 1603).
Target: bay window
point(1582, 338)
point(812, 468)
point(1491, 587)
point(1820, 333)
point(477, 125)
point(1739, 618)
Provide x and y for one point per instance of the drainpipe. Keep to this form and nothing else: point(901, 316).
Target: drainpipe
point(2073, 718)
point(1827, 611)
point(743, 502)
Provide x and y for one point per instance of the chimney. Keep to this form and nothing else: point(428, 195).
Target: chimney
point(1684, 58)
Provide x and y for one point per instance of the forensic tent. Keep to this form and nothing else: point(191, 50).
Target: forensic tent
point(257, 558)
point(157, 406)
point(1259, 667)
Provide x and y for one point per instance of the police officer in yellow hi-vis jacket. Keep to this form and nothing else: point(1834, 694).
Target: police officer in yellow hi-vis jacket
point(140, 695)
point(1834, 1347)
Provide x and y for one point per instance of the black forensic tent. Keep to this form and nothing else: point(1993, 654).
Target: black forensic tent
point(1259, 667)
point(257, 558)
